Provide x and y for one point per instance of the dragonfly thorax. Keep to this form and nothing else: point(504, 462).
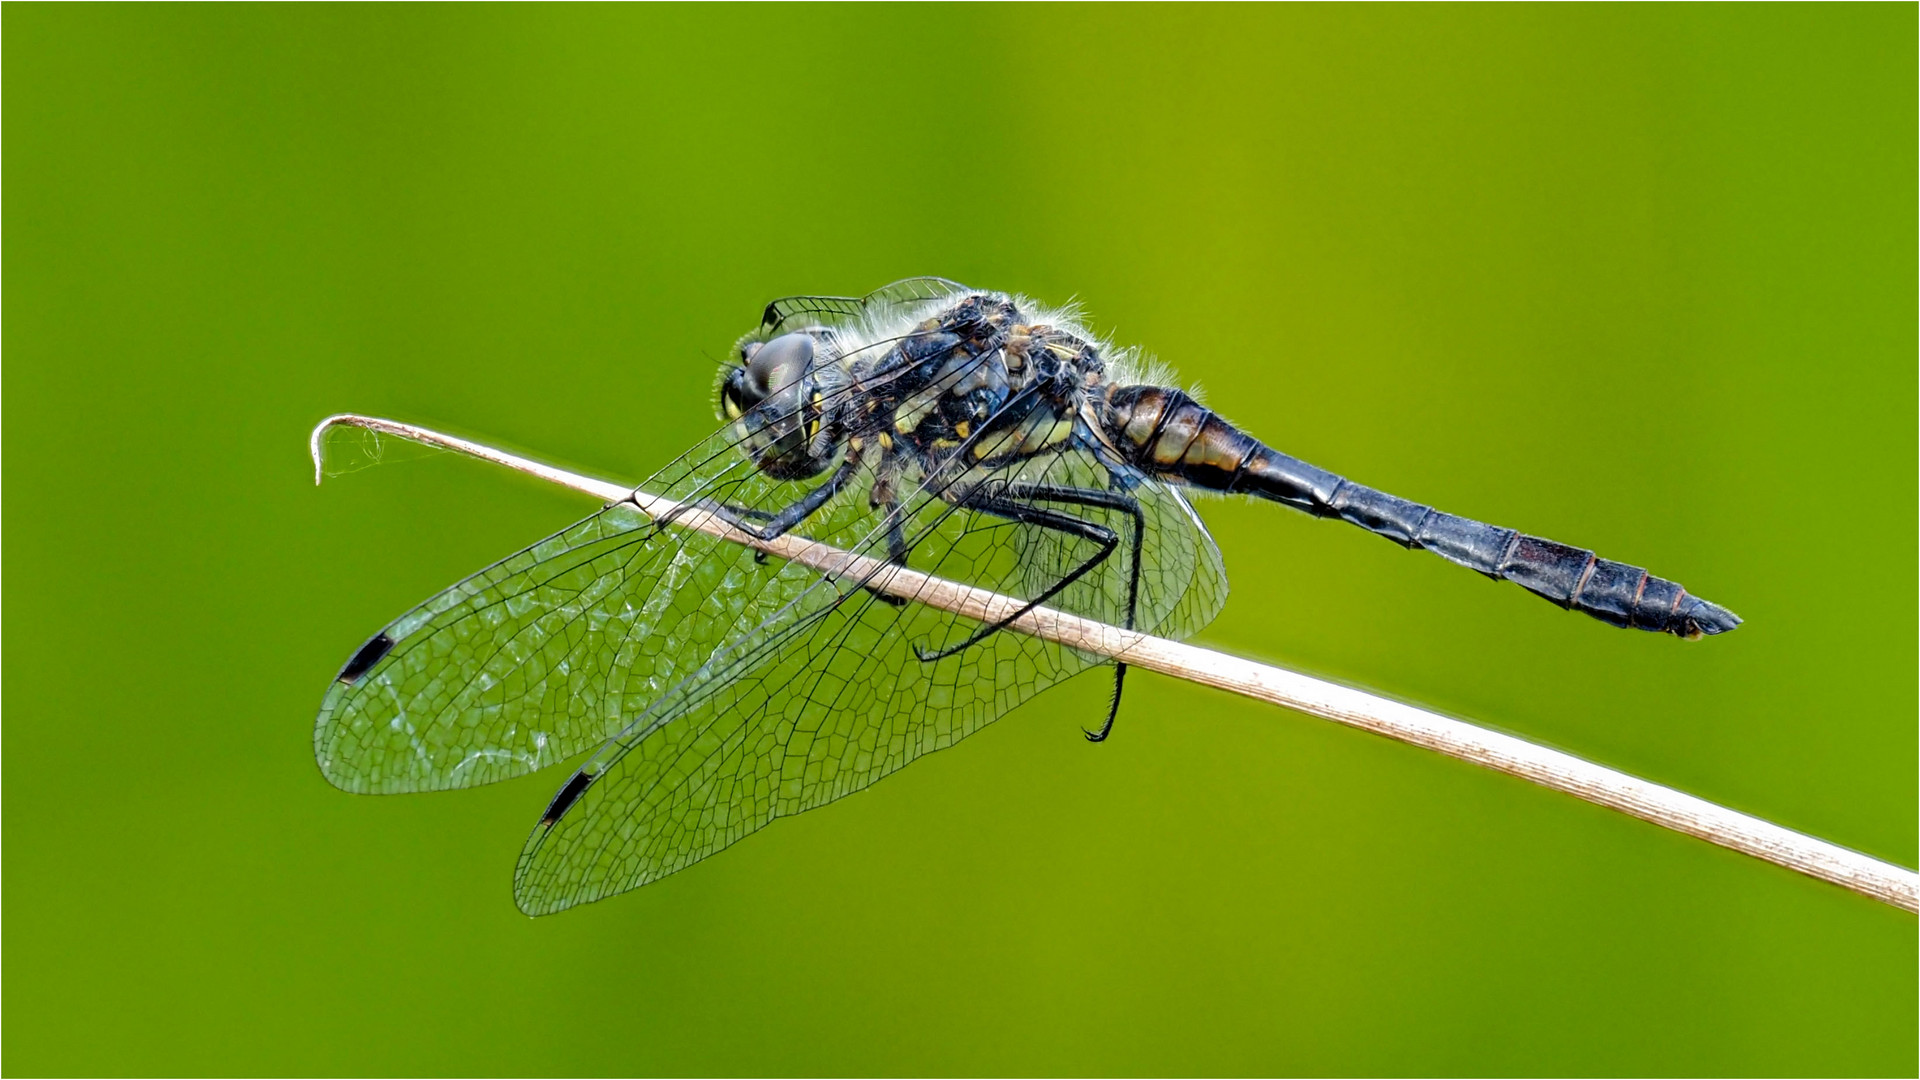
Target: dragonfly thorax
point(975, 382)
point(972, 377)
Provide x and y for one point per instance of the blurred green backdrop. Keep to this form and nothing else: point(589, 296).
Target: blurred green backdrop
point(1638, 278)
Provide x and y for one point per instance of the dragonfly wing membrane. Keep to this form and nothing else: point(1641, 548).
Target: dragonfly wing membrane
point(551, 651)
point(831, 694)
point(793, 311)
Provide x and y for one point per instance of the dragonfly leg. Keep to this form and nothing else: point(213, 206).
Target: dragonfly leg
point(776, 524)
point(896, 554)
point(1015, 503)
point(752, 514)
point(1027, 514)
point(779, 523)
point(1112, 500)
point(1113, 707)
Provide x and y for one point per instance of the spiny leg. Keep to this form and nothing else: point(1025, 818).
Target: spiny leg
point(896, 552)
point(752, 514)
point(779, 523)
point(1112, 500)
point(1113, 707)
point(1011, 506)
point(1039, 517)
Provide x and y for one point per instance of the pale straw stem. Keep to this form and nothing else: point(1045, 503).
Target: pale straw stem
point(1549, 768)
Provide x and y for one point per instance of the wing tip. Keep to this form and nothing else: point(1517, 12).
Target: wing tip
point(323, 760)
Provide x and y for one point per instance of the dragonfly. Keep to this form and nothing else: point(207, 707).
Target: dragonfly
point(968, 434)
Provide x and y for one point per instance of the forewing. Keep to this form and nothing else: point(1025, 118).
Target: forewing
point(828, 695)
point(557, 648)
point(553, 650)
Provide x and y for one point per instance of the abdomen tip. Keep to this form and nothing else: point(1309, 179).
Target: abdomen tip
point(1704, 619)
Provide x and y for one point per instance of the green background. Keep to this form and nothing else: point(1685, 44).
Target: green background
point(1642, 279)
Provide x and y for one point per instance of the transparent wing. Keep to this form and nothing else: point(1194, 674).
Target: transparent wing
point(829, 694)
point(556, 648)
point(792, 312)
point(493, 677)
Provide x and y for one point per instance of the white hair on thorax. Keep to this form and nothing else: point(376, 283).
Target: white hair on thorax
point(1126, 365)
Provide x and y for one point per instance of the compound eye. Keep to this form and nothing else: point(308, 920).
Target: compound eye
point(779, 364)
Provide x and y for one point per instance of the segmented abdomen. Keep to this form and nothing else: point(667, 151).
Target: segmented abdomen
point(1164, 432)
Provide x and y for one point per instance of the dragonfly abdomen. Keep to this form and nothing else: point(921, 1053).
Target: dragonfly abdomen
point(1165, 432)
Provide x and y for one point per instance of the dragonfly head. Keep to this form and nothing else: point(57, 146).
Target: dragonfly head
point(768, 399)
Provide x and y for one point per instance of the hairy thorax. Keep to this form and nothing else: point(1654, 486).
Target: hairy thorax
point(977, 382)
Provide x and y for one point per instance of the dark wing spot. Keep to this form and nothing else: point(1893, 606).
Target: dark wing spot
point(369, 655)
point(576, 784)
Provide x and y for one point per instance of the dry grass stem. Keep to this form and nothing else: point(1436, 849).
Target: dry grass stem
point(1562, 772)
